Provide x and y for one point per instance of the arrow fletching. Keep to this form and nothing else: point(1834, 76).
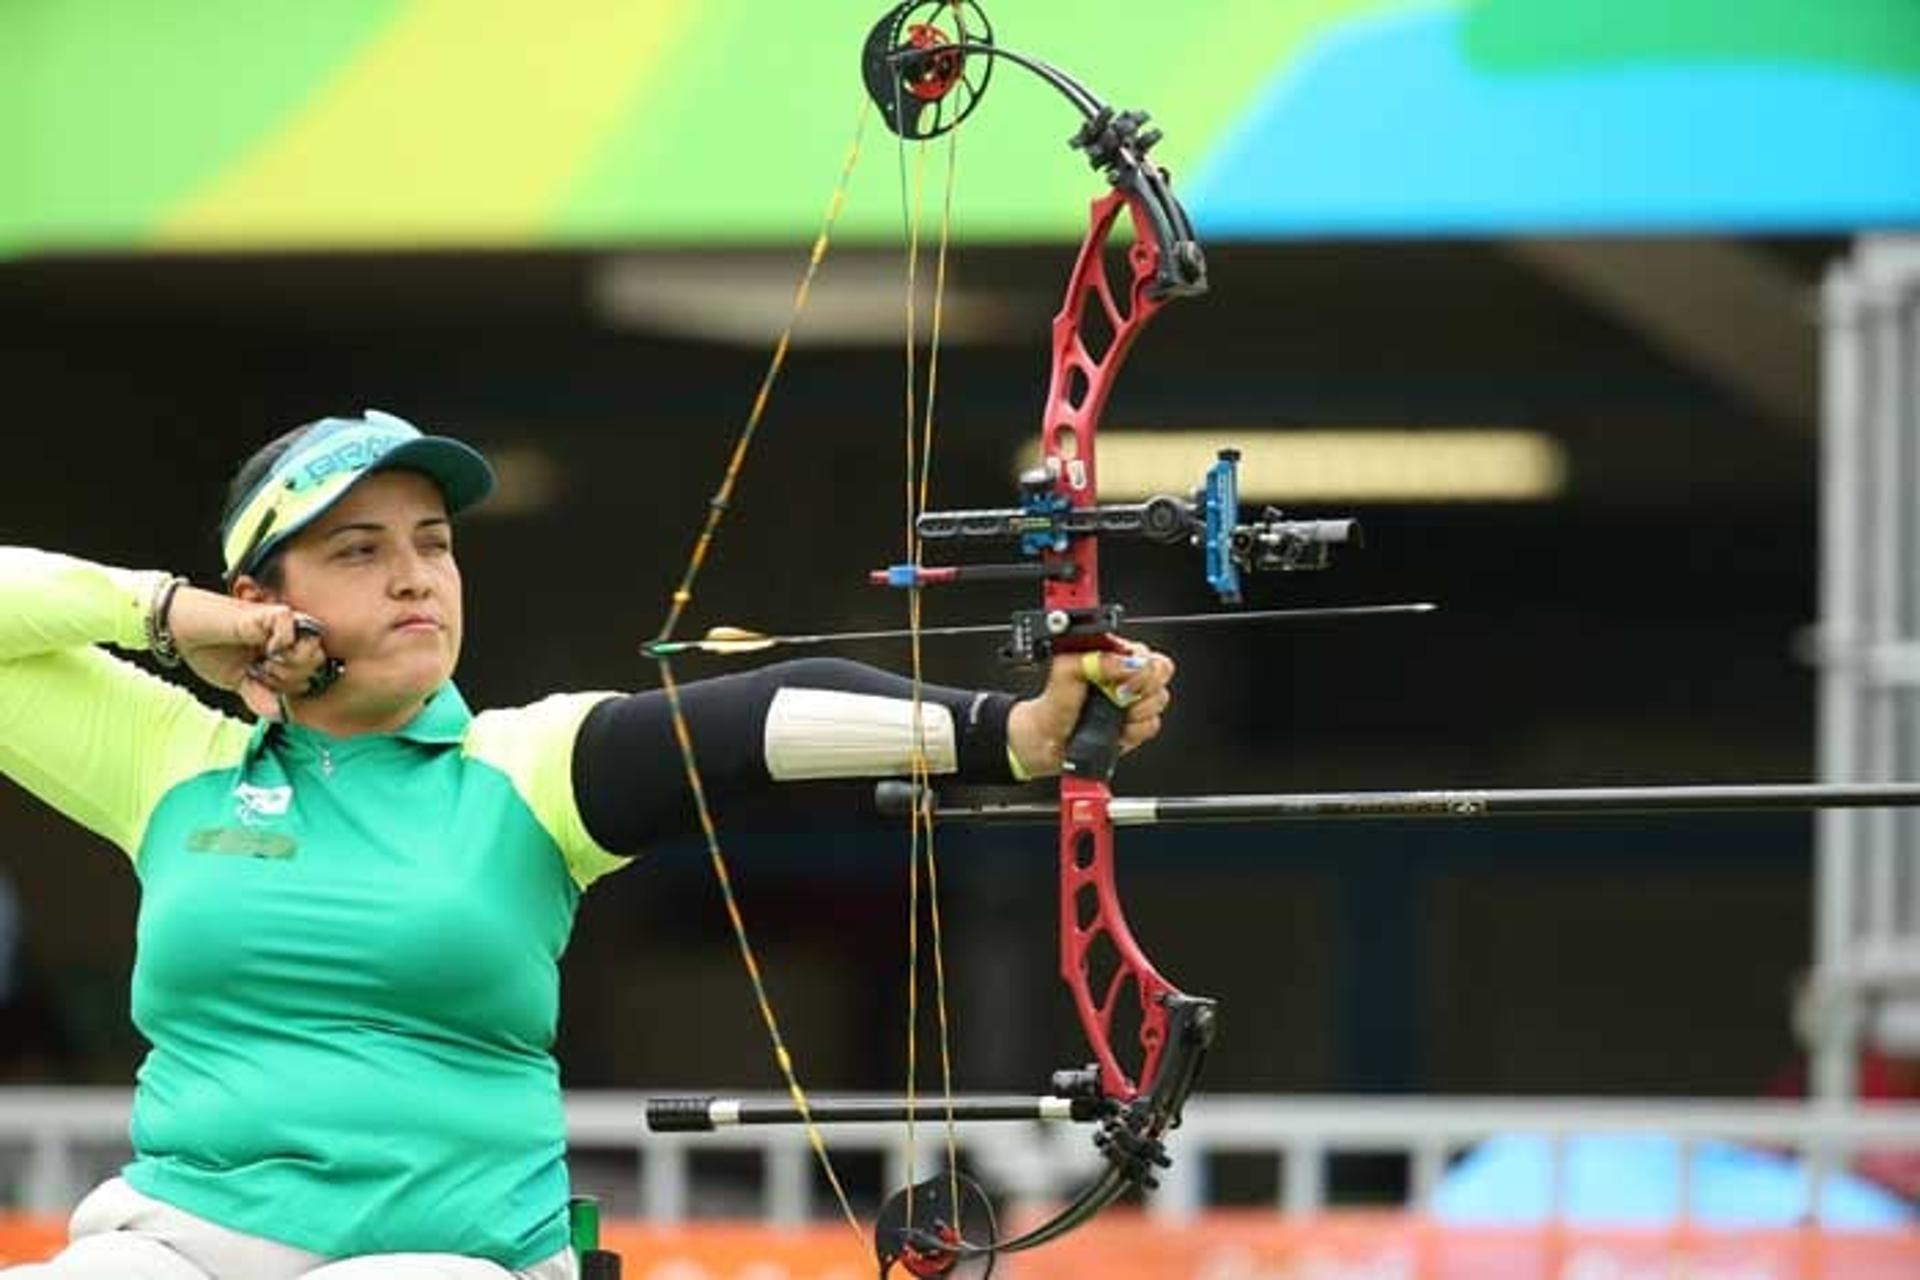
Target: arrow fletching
point(721, 639)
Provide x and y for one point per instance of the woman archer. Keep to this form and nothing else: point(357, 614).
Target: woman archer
point(353, 907)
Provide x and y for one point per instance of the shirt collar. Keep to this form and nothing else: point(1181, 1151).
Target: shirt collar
point(442, 721)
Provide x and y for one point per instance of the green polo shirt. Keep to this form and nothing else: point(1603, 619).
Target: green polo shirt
point(347, 961)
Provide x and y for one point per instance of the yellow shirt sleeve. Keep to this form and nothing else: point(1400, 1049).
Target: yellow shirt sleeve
point(533, 746)
point(93, 735)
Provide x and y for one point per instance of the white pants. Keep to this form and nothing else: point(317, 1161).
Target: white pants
point(118, 1234)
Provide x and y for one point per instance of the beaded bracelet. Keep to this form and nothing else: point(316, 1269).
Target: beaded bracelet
point(159, 634)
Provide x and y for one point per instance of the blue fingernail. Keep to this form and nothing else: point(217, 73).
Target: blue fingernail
point(1133, 662)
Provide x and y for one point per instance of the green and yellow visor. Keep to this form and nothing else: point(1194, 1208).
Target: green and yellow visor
point(329, 458)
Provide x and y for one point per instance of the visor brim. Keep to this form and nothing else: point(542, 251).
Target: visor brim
point(464, 475)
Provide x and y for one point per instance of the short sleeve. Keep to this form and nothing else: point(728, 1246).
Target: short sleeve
point(533, 745)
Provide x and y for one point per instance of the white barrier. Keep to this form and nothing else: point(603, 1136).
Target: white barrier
point(57, 1142)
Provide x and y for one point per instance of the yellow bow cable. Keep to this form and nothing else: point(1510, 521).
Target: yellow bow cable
point(920, 847)
point(921, 842)
point(683, 734)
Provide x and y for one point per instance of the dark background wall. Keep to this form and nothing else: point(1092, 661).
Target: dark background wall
point(1640, 629)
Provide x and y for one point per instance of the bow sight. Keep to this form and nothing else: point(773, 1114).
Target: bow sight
point(1046, 522)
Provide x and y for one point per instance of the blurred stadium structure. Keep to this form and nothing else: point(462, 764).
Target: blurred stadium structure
point(1599, 228)
point(1866, 981)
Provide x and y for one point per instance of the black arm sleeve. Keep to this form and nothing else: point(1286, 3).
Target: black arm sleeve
point(631, 787)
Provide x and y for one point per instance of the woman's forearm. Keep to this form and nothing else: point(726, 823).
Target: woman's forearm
point(813, 718)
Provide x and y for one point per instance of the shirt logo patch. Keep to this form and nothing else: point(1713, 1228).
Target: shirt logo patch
point(258, 806)
point(241, 842)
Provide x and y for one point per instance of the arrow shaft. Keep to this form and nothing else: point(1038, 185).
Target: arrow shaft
point(670, 648)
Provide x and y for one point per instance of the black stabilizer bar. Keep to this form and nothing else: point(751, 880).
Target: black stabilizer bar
point(897, 798)
point(706, 1114)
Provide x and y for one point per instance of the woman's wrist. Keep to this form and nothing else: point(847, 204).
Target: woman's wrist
point(1031, 753)
point(160, 642)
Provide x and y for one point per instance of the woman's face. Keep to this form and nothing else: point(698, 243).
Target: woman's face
point(377, 569)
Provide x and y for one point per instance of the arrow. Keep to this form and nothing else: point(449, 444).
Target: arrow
point(733, 640)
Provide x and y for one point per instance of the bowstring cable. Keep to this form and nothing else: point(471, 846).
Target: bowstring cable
point(682, 596)
point(920, 847)
point(910, 210)
point(924, 778)
point(918, 476)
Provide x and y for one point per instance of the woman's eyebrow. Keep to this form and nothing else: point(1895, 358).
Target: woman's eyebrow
point(355, 526)
point(376, 526)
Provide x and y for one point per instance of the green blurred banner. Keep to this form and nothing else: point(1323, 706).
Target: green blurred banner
point(190, 125)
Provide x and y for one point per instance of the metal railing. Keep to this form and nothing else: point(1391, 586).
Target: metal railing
point(1866, 981)
point(55, 1143)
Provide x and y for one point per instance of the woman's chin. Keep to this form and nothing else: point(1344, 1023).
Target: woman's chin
point(403, 684)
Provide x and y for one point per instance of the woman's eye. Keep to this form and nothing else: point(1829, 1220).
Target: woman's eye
point(355, 551)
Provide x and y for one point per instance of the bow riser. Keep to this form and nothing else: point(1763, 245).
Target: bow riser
point(1083, 377)
point(1094, 932)
point(1097, 949)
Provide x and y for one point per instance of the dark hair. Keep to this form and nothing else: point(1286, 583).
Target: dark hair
point(245, 481)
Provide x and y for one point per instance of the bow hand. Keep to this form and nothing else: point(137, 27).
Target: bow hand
point(1133, 684)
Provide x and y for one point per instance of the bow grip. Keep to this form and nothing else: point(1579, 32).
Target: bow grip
point(1093, 749)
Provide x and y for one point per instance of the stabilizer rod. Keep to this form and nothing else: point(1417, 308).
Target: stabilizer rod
point(897, 798)
point(706, 1114)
